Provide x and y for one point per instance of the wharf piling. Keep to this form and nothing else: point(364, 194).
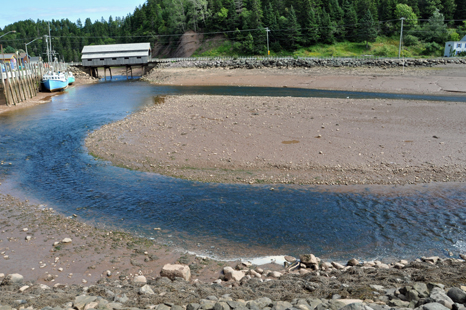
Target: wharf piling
point(22, 83)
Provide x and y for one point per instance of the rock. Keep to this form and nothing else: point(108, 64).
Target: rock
point(120, 298)
point(275, 274)
point(398, 303)
point(290, 259)
point(308, 259)
point(433, 306)
point(221, 306)
point(457, 295)
point(377, 287)
point(231, 274)
point(350, 301)
point(146, 290)
point(356, 306)
point(422, 289)
point(352, 262)
point(193, 306)
point(261, 302)
point(91, 305)
point(140, 280)
point(81, 301)
point(176, 271)
point(14, 278)
point(163, 307)
point(23, 288)
point(66, 240)
point(44, 287)
point(432, 259)
point(281, 305)
point(441, 297)
point(337, 265)
point(399, 266)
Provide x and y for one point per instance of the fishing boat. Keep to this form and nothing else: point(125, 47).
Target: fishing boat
point(71, 78)
point(54, 81)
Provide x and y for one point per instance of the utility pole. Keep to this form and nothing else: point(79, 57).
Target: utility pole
point(401, 37)
point(268, 50)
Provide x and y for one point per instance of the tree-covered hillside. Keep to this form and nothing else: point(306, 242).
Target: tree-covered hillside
point(291, 24)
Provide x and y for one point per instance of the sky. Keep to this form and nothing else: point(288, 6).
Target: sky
point(12, 11)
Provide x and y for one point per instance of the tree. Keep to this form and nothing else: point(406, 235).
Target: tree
point(327, 27)
point(435, 30)
point(428, 7)
point(351, 21)
point(9, 50)
point(367, 29)
point(294, 29)
point(404, 10)
point(449, 7)
point(310, 24)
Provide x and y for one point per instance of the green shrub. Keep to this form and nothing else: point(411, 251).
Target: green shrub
point(410, 40)
point(432, 49)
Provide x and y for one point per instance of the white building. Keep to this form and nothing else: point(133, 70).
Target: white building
point(452, 48)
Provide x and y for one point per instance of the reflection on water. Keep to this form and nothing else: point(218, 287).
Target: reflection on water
point(45, 146)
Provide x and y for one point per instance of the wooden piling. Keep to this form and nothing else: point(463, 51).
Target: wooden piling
point(23, 83)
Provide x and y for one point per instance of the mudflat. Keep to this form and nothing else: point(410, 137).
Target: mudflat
point(272, 140)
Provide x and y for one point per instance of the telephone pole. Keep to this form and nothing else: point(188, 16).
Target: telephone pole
point(268, 50)
point(401, 36)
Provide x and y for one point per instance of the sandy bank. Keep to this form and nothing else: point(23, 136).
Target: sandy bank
point(290, 140)
point(442, 79)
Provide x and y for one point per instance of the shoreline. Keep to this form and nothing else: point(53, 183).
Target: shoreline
point(441, 79)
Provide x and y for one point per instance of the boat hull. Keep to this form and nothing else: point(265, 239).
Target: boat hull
point(55, 85)
point(71, 80)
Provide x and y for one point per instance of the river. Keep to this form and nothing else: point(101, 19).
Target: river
point(50, 165)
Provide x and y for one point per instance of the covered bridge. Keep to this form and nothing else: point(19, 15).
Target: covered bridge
point(115, 55)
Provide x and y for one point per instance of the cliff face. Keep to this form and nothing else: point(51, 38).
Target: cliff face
point(185, 47)
point(189, 43)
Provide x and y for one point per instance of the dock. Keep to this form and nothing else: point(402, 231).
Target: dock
point(22, 83)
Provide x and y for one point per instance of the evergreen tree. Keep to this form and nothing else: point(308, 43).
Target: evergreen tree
point(327, 28)
point(367, 29)
point(460, 11)
point(294, 29)
point(350, 20)
point(435, 29)
point(428, 7)
point(449, 7)
point(310, 25)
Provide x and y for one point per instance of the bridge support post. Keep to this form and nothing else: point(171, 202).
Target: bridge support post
point(110, 70)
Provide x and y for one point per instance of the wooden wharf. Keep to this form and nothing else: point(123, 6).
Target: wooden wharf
point(23, 83)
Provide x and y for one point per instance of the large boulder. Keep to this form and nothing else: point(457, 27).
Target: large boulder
point(441, 297)
point(457, 295)
point(13, 279)
point(176, 271)
point(231, 274)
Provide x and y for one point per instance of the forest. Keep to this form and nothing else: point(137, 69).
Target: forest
point(244, 25)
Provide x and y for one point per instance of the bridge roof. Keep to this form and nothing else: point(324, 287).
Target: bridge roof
point(114, 55)
point(111, 50)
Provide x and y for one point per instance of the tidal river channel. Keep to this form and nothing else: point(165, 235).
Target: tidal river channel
point(51, 166)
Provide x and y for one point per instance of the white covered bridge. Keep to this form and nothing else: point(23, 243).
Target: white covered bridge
point(116, 55)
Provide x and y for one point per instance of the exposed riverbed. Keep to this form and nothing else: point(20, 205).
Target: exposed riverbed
point(45, 146)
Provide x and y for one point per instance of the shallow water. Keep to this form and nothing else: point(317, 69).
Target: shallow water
point(45, 146)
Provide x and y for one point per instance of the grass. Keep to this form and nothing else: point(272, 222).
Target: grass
point(382, 47)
